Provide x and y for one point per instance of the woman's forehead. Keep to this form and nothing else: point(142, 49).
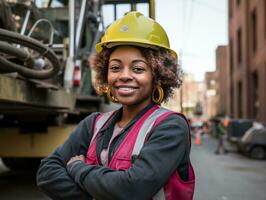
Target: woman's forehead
point(126, 52)
point(127, 48)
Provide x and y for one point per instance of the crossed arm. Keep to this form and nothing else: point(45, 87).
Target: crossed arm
point(65, 175)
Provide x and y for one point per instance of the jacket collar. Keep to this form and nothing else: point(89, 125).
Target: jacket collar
point(118, 114)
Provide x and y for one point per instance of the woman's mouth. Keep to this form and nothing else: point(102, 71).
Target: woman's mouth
point(126, 90)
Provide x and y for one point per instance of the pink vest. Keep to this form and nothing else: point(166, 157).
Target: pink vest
point(176, 188)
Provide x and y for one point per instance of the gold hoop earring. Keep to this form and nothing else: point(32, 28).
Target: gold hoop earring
point(110, 96)
point(157, 98)
point(99, 90)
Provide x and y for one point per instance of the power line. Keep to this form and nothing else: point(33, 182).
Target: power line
point(184, 23)
point(189, 24)
point(213, 8)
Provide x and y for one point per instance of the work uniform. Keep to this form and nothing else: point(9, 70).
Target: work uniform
point(166, 149)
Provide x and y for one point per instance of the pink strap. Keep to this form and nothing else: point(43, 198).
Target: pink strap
point(181, 115)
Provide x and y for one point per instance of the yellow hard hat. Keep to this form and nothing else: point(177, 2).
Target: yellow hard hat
point(135, 29)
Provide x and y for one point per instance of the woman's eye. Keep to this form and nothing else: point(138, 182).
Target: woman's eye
point(114, 68)
point(138, 69)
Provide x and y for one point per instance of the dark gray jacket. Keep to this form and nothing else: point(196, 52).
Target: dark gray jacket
point(166, 150)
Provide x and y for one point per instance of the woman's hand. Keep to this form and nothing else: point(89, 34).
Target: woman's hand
point(76, 158)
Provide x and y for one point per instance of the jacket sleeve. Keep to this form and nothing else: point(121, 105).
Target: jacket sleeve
point(165, 150)
point(52, 176)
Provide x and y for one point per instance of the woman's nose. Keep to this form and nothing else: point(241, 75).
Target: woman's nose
point(125, 74)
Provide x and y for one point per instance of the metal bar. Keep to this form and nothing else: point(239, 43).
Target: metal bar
point(115, 14)
point(69, 69)
point(59, 46)
point(124, 1)
point(152, 9)
point(72, 6)
point(26, 20)
point(133, 6)
point(81, 22)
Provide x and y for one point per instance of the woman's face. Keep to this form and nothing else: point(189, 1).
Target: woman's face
point(130, 77)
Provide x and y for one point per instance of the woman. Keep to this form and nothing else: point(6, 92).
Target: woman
point(136, 68)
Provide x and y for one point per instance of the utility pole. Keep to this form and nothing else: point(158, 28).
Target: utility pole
point(181, 88)
point(181, 99)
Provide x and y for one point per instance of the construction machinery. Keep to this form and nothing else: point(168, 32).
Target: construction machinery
point(46, 81)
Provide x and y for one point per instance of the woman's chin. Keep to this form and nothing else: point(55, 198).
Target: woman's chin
point(133, 102)
point(126, 102)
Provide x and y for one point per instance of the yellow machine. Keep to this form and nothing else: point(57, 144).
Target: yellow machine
point(46, 84)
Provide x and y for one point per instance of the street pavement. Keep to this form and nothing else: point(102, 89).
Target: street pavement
point(229, 176)
point(18, 185)
point(218, 177)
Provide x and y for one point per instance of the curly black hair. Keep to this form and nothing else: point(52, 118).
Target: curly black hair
point(166, 72)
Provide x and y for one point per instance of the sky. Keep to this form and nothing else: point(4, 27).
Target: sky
point(195, 28)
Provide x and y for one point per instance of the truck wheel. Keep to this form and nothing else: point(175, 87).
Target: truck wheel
point(258, 152)
point(22, 164)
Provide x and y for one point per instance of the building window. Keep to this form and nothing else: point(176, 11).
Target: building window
point(239, 46)
point(212, 83)
point(255, 95)
point(239, 100)
point(254, 30)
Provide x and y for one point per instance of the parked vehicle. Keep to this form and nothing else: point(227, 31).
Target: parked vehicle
point(253, 143)
point(237, 128)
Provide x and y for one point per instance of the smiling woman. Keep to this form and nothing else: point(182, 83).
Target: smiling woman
point(140, 151)
point(164, 68)
point(129, 77)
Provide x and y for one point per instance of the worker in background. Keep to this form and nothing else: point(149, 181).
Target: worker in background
point(221, 124)
point(136, 68)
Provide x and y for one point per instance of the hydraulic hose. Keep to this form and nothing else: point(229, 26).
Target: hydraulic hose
point(29, 73)
point(8, 49)
point(17, 52)
point(12, 37)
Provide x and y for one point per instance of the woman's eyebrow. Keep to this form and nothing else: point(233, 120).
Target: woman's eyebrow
point(134, 61)
point(115, 59)
point(139, 60)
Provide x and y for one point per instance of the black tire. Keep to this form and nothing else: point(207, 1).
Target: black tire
point(258, 152)
point(22, 164)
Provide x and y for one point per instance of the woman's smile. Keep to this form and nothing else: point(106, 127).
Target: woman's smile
point(126, 90)
point(130, 77)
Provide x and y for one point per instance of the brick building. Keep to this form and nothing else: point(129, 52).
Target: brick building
point(185, 98)
point(247, 59)
point(211, 97)
point(223, 80)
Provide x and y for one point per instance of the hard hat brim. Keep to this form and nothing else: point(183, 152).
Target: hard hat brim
point(110, 44)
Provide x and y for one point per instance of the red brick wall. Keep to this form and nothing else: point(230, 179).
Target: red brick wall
point(252, 61)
